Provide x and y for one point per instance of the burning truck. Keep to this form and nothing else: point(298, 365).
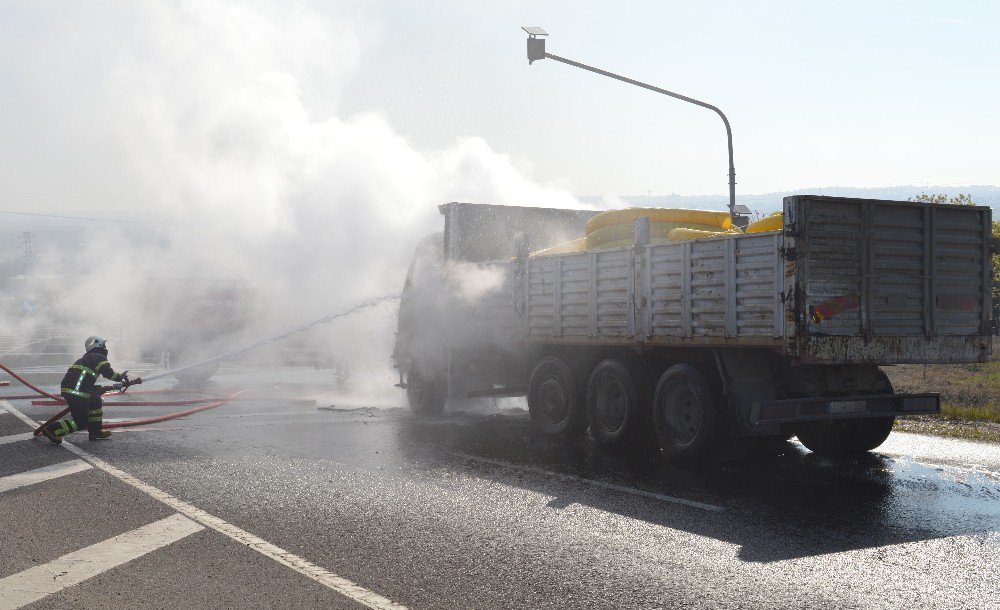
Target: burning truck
point(702, 345)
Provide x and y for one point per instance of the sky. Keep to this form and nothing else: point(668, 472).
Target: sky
point(819, 94)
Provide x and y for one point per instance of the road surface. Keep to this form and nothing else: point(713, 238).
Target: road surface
point(278, 503)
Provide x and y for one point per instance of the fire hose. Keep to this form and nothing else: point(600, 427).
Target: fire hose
point(198, 404)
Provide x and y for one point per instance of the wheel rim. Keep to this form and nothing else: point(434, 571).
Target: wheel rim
point(682, 414)
point(554, 404)
point(612, 404)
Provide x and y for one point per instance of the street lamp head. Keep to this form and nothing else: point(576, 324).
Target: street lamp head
point(536, 44)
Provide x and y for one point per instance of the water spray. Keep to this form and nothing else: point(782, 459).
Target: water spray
point(20, 347)
point(359, 307)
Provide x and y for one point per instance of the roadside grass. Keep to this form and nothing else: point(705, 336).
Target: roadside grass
point(970, 413)
point(970, 398)
point(928, 424)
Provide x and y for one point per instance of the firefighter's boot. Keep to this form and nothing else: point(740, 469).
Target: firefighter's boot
point(49, 434)
point(95, 420)
point(56, 430)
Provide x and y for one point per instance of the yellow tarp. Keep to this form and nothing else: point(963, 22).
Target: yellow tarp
point(599, 238)
point(628, 215)
point(614, 228)
point(683, 233)
point(773, 222)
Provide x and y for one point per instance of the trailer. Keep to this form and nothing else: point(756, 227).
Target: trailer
point(704, 347)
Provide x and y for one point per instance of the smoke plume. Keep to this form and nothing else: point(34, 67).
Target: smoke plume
point(217, 124)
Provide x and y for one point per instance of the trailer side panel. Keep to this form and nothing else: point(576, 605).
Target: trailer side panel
point(889, 282)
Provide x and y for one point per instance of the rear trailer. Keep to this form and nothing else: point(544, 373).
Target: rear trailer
point(707, 343)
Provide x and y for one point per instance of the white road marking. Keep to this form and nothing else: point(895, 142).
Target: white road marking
point(13, 438)
point(41, 581)
point(339, 584)
point(592, 482)
point(39, 475)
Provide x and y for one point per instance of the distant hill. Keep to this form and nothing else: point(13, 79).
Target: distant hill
point(768, 202)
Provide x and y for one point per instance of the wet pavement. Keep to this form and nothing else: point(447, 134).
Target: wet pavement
point(479, 511)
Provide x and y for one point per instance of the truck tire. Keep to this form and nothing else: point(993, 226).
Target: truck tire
point(556, 399)
point(845, 437)
point(196, 377)
point(617, 402)
point(689, 418)
point(426, 397)
point(685, 413)
point(849, 436)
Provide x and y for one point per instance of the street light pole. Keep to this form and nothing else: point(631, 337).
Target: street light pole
point(536, 50)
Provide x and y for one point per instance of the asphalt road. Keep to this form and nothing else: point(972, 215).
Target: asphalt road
point(282, 504)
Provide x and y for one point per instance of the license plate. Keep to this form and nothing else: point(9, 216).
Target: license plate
point(846, 406)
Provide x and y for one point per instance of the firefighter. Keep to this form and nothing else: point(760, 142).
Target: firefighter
point(83, 398)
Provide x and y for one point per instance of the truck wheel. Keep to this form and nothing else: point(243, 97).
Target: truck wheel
point(426, 397)
point(198, 376)
point(845, 437)
point(686, 414)
point(872, 433)
point(554, 399)
point(875, 430)
point(689, 418)
point(616, 394)
point(849, 436)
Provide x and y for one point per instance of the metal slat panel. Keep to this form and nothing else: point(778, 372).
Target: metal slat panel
point(687, 329)
point(895, 292)
point(986, 302)
point(707, 287)
point(927, 300)
point(832, 267)
point(778, 313)
point(614, 280)
point(921, 276)
point(960, 240)
point(646, 294)
point(557, 298)
point(730, 286)
point(755, 257)
point(592, 305)
point(630, 297)
point(666, 289)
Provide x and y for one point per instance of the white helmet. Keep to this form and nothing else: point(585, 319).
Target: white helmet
point(94, 341)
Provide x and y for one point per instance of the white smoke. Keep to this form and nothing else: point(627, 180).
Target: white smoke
point(221, 118)
point(470, 282)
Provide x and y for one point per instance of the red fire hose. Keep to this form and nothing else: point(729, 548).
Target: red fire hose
point(153, 420)
point(26, 383)
point(135, 403)
point(213, 402)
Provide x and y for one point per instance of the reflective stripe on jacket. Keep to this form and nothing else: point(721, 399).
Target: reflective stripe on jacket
point(79, 379)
